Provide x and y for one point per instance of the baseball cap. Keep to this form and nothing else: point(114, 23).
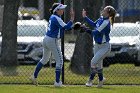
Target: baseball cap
point(60, 6)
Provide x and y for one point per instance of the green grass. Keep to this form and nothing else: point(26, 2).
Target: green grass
point(67, 89)
point(115, 74)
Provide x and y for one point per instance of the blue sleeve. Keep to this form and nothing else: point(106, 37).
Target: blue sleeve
point(89, 21)
point(68, 25)
point(61, 24)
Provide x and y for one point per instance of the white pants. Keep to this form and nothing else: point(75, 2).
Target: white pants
point(51, 45)
point(100, 52)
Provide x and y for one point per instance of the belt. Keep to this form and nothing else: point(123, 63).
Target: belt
point(101, 43)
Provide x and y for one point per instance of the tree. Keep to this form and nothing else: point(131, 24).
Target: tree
point(81, 59)
point(1, 13)
point(9, 33)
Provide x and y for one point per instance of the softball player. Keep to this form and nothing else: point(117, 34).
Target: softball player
point(101, 37)
point(50, 42)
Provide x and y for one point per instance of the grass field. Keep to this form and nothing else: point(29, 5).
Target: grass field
point(118, 74)
point(67, 89)
point(123, 76)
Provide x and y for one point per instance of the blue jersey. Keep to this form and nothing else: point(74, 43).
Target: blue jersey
point(57, 26)
point(102, 29)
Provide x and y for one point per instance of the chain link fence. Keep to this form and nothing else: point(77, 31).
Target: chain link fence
point(121, 66)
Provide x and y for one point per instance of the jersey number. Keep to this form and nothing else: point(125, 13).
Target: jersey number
point(49, 25)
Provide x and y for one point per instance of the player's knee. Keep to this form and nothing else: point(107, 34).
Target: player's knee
point(94, 70)
point(100, 71)
point(44, 61)
point(59, 65)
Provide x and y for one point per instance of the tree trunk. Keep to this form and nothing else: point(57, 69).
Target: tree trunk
point(9, 33)
point(80, 62)
point(1, 13)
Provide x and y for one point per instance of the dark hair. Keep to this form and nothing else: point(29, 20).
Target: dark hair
point(53, 7)
point(112, 13)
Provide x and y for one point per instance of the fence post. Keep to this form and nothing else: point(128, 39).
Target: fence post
point(62, 45)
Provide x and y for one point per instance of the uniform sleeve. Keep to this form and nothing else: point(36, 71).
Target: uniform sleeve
point(89, 21)
point(69, 25)
point(62, 24)
point(102, 26)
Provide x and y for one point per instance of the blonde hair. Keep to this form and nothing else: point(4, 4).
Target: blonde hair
point(112, 13)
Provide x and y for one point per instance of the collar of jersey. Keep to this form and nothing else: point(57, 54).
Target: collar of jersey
point(57, 15)
point(104, 18)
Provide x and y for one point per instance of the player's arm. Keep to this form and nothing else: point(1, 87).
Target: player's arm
point(68, 25)
point(63, 25)
point(90, 22)
point(100, 29)
point(102, 26)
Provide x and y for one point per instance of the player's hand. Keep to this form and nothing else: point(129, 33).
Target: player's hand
point(72, 15)
point(84, 13)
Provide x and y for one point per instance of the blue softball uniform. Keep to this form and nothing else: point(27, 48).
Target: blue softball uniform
point(57, 26)
point(101, 37)
point(51, 44)
point(101, 31)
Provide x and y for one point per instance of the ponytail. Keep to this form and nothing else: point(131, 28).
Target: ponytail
point(51, 11)
point(112, 13)
point(112, 19)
